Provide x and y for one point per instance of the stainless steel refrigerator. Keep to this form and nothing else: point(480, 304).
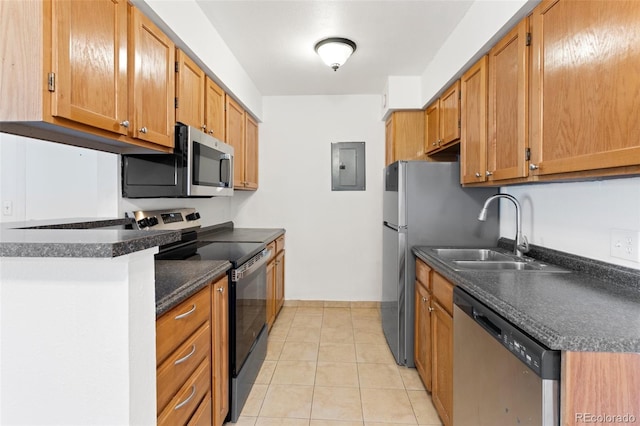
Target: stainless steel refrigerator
point(424, 205)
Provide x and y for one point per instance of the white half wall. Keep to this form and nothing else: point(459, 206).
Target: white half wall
point(575, 217)
point(333, 239)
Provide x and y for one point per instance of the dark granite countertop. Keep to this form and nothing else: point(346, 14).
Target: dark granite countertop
point(85, 238)
point(594, 308)
point(228, 232)
point(176, 280)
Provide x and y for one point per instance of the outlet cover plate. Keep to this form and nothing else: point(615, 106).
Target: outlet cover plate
point(625, 244)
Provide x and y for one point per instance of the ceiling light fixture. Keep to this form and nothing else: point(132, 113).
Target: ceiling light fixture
point(335, 51)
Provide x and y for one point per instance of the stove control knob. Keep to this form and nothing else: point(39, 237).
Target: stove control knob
point(143, 223)
point(153, 221)
point(193, 216)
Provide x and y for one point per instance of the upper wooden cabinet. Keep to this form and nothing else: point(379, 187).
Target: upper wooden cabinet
point(442, 120)
point(509, 106)
point(473, 144)
point(152, 81)
point(214, 109)
point(242, 134)
point(190, 92)
point(88, 65)
point(585, 80)
point(404, 136)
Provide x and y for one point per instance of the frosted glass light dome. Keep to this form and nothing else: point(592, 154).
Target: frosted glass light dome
point(335, 51)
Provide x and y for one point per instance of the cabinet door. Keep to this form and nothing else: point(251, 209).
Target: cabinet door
point(235, 138)
point(585, 75)
point(432, 127)
point(220, 351)
point(152, 77)
point(473, 144)
point(89, 45)
point(279, 281)
point(214, 109)
point(408, 135)
point(508, 105)
point(442, 386)
point(450, 114)
point(271, 293)
point(251, 153)
point(422, 331)
point(389, 154)
point(190, 85)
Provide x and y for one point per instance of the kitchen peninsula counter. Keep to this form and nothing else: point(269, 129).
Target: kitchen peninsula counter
point(593, 308)
point(228, 232)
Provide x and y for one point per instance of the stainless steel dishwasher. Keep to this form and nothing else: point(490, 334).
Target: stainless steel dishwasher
point(501, 376)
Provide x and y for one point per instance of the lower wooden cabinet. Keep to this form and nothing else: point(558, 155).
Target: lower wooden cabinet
point(192, 352)
point(442, 380)
point(275, 280)
point(422, 329)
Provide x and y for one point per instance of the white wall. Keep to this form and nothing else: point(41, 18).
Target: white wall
point(333, 239)
point(576, 217)
point(44, 180)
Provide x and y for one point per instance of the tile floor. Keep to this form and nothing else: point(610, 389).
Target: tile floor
point(332, 366)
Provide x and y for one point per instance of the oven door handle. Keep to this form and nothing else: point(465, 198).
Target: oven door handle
point(250, 265)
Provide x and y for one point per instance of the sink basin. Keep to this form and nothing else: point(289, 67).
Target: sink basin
point(463, 254)
point(504, 265)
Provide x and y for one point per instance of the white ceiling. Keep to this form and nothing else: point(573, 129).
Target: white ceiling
point(274, 40)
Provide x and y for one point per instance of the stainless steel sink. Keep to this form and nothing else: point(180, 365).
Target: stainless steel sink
point(470, 254)
point(477, 259)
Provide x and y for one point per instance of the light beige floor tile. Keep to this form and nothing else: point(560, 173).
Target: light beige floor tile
point(337, 352)
point(337, 374)
point(299, 351)
point(337, 335)
point(266, 372)
point(379, 376)
point(310, 310)
point(344, 310)
point(411, 378)
point(279, 331)
point(423, 408)
point(304, 334)
point(314, 321)
point(337, 304)
point(287, 401)
point(337, 321)
point(380, 354)
point(383, 424)
point(387, 405)
point(274, 349)
point(374, 337)
point(373, 313)
point(275, 421)
point(365, 323)
point(311, 303)
point(294, 373)
point(254, 401)
point(336, 403)
point(243, 421)
point(285, 317)
point(365, 305)
point(334, 423)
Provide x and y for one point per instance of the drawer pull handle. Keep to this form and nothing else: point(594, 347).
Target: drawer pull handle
point(186, 401)
point(186, 314)
point(186, 357)
point(221, 289)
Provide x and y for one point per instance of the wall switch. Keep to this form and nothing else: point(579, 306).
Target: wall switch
point(625, 244)
point(7, 208)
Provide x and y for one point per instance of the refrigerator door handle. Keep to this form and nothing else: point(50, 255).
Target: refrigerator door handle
point(394, 227)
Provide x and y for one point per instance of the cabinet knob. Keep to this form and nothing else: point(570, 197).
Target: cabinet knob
point(125, 123)
point(430, 309)
point(533, 167)
point(220, 289)
point(478, 174)
point(488, 173)
point(204, 127)
point(210, 132)
point(424, 299)
point(435, 144)
point(143, 130)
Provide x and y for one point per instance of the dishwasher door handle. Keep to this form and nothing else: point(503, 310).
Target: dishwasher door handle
point(487, 324)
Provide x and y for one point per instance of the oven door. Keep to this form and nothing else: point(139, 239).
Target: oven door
point(248, 310)
point(210, 165)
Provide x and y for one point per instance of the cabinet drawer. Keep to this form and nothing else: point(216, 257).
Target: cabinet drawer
point(422, 273)
point(202, 416)
point(175, 326)
point(181, 363)
point(182, 406)
point(272, 248)
point(280, 244)
point(443, 292)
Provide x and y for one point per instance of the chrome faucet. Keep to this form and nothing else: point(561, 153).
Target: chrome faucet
point(521, 245)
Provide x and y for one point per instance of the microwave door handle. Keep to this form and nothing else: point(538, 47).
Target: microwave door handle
point(226, 174)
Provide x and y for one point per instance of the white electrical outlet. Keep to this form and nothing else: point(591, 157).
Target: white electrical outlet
point(625, 244)
point(7, 208)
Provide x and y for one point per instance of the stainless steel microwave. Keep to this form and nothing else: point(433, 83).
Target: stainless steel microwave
point(201, 166)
